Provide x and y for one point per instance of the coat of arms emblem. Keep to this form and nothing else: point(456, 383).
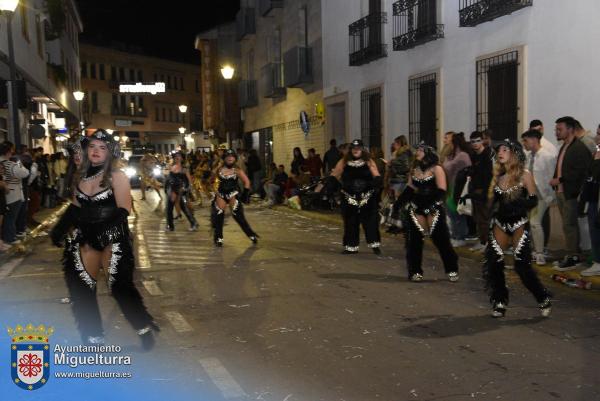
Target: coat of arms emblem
point(30, 355)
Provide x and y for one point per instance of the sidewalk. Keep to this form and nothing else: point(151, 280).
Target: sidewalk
point(46, 217)
point(545, 272)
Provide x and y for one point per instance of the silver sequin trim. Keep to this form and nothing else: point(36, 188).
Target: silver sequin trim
point(228, 177)
point(520, 245)
point(511, 228)
point(83, 274)
point(356, 163)
point(236, 205)
point(434, 222)
point(351, 248)
point(508, 191)
point(114, 260)
point(374, 245)
point(99, 196)
point(424, 179)
point(358, 200)
point(497, 248)
point(218, 209)
point(413, 217)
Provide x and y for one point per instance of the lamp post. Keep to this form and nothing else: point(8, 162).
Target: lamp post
point(8, 8)
point(79, 95)
point(183, 109)
point(227, 72)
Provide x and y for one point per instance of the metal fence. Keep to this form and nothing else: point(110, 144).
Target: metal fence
point(415, 23)
point(366, 39)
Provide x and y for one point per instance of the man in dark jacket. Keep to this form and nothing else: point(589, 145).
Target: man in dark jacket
point(572, 167)
point(332, 156)
point(480, 179)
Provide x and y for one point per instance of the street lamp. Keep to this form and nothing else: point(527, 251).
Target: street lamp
point(79, 95)
point(182, 130)
point(8, 7)
point(227, 71)
point(182, 108)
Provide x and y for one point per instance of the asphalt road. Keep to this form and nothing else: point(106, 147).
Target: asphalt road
point(292, 319)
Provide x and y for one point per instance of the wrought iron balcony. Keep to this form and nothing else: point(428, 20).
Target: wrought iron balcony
point(272, 84)
point(248, 95)
point(298, 67)
point(245, 23)
point(415, 23)
point(366, 39)
point(475, 12)
point(266, 6)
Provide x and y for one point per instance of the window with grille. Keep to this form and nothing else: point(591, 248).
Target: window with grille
point(415, 23)
point(370, 117)
point(422, 109)
point(497, 95)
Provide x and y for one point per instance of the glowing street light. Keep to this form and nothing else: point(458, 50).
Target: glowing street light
point(227, 71)
point(182, 130)
point(110, 131)
point(117, 138)
point(79, 95)
point(183, 108)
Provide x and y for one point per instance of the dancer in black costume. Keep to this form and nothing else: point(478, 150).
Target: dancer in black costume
point(361, 183)
point(424, 199)
point(228, 193)
point(177, 187)
point(101, 238)
point(514, 194)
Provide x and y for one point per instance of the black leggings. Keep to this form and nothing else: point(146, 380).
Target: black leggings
point(440, 236)
point(237, 212)
point(493, 268)
point(184, 208)
point(82, 289)
point(354, 217)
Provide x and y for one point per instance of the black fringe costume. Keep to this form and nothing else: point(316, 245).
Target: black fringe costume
point(427, 200)
point(359, 206)
point(509, 214)
point(229, 189)
point(100, 224)
point(178, 183)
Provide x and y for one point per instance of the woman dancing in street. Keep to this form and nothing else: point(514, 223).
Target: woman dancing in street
point(514, 194)
point(227, 194)
point(361, 183)
point(178, 186)
point(101, 238)
point(424, 198)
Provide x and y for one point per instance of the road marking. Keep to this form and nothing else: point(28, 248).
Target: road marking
point(178, 322)
point(144, 260)
point(222, 378)
point(10, 266)
point(198, 263)
point(152, 287)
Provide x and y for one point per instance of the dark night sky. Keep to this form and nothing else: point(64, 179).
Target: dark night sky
point(164, 28)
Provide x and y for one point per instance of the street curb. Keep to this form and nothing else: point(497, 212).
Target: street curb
point(545, 271)
point(20, 247)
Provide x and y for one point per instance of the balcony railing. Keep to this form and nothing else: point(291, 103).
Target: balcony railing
point(125, 111)
point(298, 67)
point(266, 6)
point(245, 23)
point(415, 23)
point(248, 95)
point(366, 39)
point(475, 12)
point(272, 80)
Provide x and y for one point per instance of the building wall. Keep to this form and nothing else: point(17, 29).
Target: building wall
point(34, 52)
point(559, 69)
point(280, 112)
point(148, 121)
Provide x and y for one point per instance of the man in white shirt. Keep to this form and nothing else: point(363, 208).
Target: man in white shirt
point(13, 174)
point(541, 163)
point(546, 144)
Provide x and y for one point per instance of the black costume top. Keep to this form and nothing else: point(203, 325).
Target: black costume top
point(511, 206)
point(228, 185)
point(357, 183)
point(101, 221)
point(176, 182)
point(427, 196)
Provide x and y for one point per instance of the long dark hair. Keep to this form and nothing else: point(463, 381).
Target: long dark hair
point(459, 142)
point(299, 155)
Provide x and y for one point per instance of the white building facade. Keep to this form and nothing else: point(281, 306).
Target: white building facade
point(424, 67)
